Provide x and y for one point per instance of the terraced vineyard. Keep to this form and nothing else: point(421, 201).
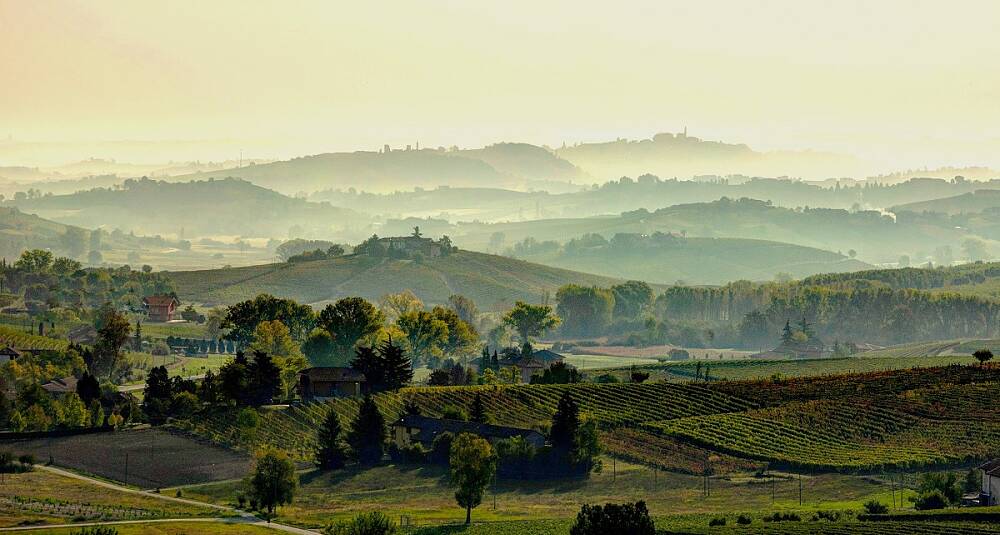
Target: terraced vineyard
point(14, 337)
point(520, 405)
point(836, 436)
point(735, 370)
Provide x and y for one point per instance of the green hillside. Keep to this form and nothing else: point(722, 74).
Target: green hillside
point(490, 281)
point(667, 259)
point(967, 203)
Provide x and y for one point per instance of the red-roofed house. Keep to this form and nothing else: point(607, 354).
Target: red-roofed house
point(161, 307)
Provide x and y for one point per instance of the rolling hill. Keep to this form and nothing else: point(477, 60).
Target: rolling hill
point(876, 236)
point(199, 208)
point(666, 259)
point(967, 203)
point(20, 232)
point(491, 281)
point(503, 164)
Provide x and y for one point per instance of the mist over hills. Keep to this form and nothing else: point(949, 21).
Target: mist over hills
point(966, 203)
point(875, 236)
point(197, 208)
point(668, 259)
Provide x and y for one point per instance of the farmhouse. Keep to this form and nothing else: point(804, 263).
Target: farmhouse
point(8, 354)
point(161, 308)
point(330, 382)
point(547, 357)
point(990, 493)
point(60, 387)
point(423, 430)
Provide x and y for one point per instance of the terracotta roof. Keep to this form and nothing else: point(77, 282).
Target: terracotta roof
point(334, 374)
point(432, 427)
point(160, 300)
point(61, 386)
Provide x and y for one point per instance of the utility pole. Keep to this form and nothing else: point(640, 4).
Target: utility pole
point(126, 469)
point(800, 489)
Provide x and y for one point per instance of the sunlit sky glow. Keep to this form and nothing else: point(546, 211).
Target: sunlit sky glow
point(902, 82)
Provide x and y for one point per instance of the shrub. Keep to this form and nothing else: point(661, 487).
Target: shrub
point(613, 519)
point(934, 499)
point(783, 517)
point(441, 448)
point(99, 530)
point(874, 507)
point(744, 520)
point(717, 521)
point(834, 516)
point(373, 523)
point(452, 412)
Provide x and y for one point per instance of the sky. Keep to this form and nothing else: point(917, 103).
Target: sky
point(904, 83)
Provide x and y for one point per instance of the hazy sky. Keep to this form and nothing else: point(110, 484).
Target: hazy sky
point(903, 82)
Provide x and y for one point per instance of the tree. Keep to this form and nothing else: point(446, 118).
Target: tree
point(34, 261)
point(464, 307)
point(425, 334)
point(983, 356)
point(530, 320)
point(462, 336)
point(242, 318)
point(565, 423)
point(264, 379)
point(348, 321)
point(320, 349)
point(395, 305)
point(112, 335)
point(88, 388)
point(439, 378)
point(273, 480)
point(473, 465)
point(631, 298)
point(157, 395)
point(875, 507)
point(975, 249)
point(74, 411)
point(368, 435)
point(477, 411)
point(613, 519)
point(330, 453)
point(398, 368)
point(274, 339)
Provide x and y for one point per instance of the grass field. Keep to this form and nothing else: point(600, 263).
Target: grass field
point(175, 528)
point(42, 497)
point(146, 458)
point(423, 495)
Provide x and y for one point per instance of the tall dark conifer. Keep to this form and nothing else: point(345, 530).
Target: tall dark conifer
point(477, 411)
point(565, 423)
point(398, 369)
point(331, 452)
point(368, 435)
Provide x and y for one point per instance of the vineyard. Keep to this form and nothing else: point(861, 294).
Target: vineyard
point(529, 406)
point(837, 436)
point(736, 370)
point(14, 337)
point(848, 528)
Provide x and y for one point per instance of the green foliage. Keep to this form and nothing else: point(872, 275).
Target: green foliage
point(472, 466)
point(320, 349)
point(386, 367)
point(613, 519)
point(584, 310)
point(348, 321)
point(452, 412)
point(368, 434)
point(372, 523)
point(426, 334)
point(530, 320)
point(242, 318)
point(331, 452)
point(875, 507)
point(273, 481)
point(934, 499)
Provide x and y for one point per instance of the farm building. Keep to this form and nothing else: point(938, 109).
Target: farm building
point(547, 357)
point(423, 430)
point(330, 382)
point(990, 494)
point(8, 354)
point(60, 387)
point(161, 308)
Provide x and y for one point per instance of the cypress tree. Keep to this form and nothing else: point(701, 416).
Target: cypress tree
point(565, 423)
point(398, 369)
point(368, 435)
point(331, 453)
point(477, 412)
